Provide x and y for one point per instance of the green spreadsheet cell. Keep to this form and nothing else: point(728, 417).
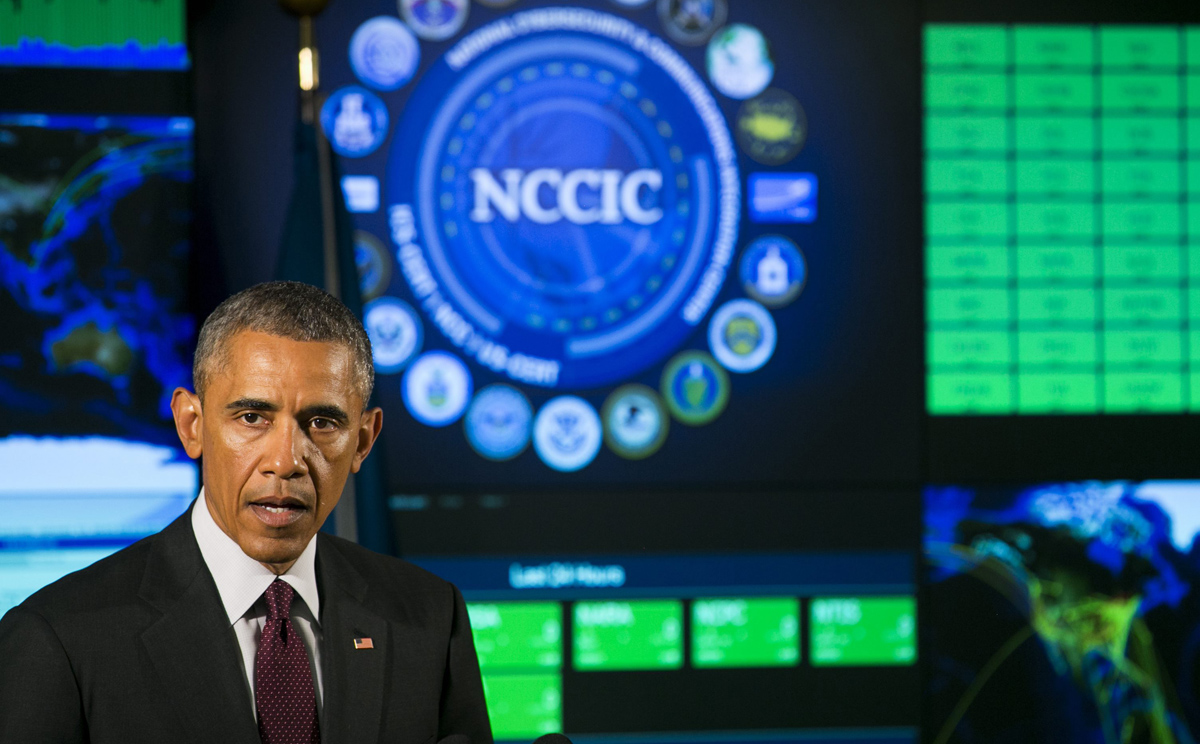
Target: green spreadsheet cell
point(1143, 348)
point(1193, 300)
point(1051, 220)
point(643, 634)
point(1055, 134)
point(1054, 178)
point(973, 135)
point(1139, 92)
point(1193, 178)
point(968, 349)
point(1136, 135)
point(1194, 349)
point(1192, 44)
point(1193, 260)
point(745, 632)
point(1054, 91)
point(1044, 305)
point(1143, 392)
point(1193, 218)
point(966, 177)
point(960, 90)
point(986, 264)
point(1053, 46)
point(1140, 178)
point(523, 706)
point(967, 221)
point(1057, 348)
point(1157, 305)
point(971, 305)
point(1194, 391)
point(1137, 264)
point(1139, 46)
point(1193, 134)
point(969, 393)
point(1141, 221)
point(1063, 393)
point(863, 631)
point(966, 46)
point(520, 635)
point(1065, 264)
point(1192, 94)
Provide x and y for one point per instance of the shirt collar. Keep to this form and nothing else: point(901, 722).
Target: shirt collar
point(240, 579)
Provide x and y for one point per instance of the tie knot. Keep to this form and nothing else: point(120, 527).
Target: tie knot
point(279, 600)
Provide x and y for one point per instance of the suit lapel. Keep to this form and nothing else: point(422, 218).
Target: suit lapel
point(192, 647)
point(354, 678)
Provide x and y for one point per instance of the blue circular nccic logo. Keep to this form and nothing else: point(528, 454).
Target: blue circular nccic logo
point(498, 422)
point(772, 271)
point(564, 196)
point(384, 53)
point(355, 121)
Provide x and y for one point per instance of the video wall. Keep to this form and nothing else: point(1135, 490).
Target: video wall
point(112, 34)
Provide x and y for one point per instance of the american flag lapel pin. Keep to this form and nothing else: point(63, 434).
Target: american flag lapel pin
point(360, 643)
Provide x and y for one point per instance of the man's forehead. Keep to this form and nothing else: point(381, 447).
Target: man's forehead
point(260, 361)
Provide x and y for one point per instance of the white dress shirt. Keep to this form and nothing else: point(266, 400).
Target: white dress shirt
point(241, 581)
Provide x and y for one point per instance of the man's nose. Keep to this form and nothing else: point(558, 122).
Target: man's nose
point(284, 457)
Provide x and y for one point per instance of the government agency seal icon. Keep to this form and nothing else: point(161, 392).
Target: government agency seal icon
point(436, 388)
point(695, 387)
point(566, 433)
point(564, 197)
point(435, 20)
point(742, 335)
point(773, 271)
point(384, 53)
point(355, 121)
point(395, 333)
point(498, 422)
point(635, 421)
point(373, 263)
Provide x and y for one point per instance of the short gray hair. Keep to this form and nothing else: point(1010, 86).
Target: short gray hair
point(293, 310)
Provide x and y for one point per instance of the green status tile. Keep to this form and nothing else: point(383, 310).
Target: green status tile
point(745, 632)
point(1143, 348)
point(1192, 94)
point(1194, 349)
point(1193, 218)
point(1194, 303)
point(1053, 46)
point(1055, 134)
point(955, 45)
point(967, 263)
point(1056, 348)
point(1140, 178)
point(966, 134)
point(1194, 390)
point(1139, 46)
point(1054, 91)
point(1136, 135)
point(1143, 392)
point(1141, 221)
point(523, 635)
point(863, 631)
point(1057, 306)
point(1040, 220)
point(965, 90)
point(1193, 134)
point(523, 706)
point(967, 305)
point(1140, 264)
point(1062, 393)
point(1139, 92)
point(1192, 42)
point(1058, 264)
point(969, 393)
point(968, 221)
point(1055, 178)
point(1193, 260)
point(968, 349)
point(1193, 177)
point(644, 634)
point(966, 177)
point(1152, 305)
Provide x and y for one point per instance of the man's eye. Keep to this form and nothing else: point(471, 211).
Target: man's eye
point(322, 424)
point(252, 418)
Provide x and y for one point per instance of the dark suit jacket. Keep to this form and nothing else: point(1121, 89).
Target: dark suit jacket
point(138, 648)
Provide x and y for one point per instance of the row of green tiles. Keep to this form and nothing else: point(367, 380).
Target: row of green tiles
point(1110, 46)
point(959, 91)
point(1081, 134)
point(1080, 393)
point(1158, 305)
point(1040, 219)
point(1075, 177)
point(1128, 351)
point(726, 632)
point(997, 265)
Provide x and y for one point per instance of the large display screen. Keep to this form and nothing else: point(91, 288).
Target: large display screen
point(95, 213)
point(628, 242)
point(119, 34)
point(1062, 612)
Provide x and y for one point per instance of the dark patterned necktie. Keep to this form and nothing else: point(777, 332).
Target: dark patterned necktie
point(283, 685)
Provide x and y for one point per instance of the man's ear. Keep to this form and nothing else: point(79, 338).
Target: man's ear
point(369, 426)
point(189, 421)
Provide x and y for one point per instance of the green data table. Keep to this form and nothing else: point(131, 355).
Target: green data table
point(1062, 219)
point(862, 631)
point(519, 645)
point(643, 634)
point(745, 632)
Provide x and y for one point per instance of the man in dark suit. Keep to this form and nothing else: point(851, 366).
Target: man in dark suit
point(239, 622)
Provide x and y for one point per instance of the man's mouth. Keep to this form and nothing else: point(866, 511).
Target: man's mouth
point(278, 512)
